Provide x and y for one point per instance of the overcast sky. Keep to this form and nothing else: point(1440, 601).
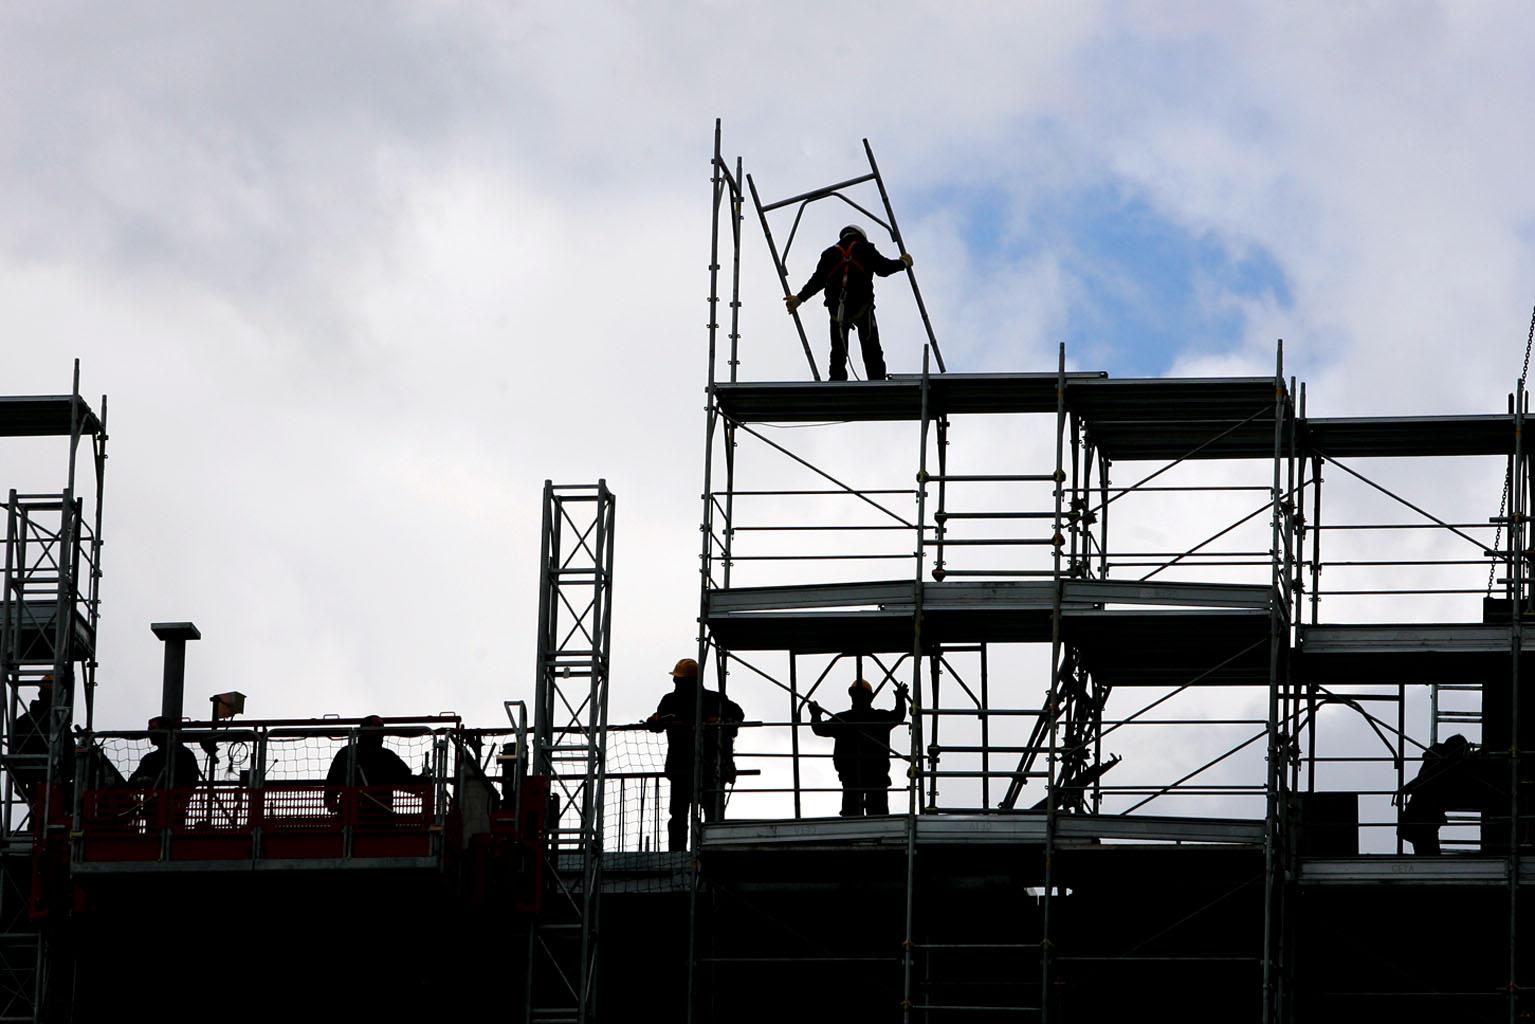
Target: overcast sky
point(358, 278)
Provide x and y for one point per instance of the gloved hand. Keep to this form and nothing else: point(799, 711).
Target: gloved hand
point(792, 302)
point(906, 258)
point(815, 710)
point(902, 689)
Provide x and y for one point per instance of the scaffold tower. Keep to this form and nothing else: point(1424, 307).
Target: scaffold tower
point(568, 744)
point(1280, 842)
point(48, 629)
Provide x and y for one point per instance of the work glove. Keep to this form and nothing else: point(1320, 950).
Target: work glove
point(792, 302)
point(906, 258)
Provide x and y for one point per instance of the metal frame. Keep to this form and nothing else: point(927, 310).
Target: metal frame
point(49, 612)
point(569, 743)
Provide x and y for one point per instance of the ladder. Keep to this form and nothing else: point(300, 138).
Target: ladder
point(569, 746)
point(804, 199)
point(1455, 717)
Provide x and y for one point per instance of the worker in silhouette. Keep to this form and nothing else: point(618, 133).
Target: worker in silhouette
point(169, 766)
point(862, 751)
point(1452, 776)
point(30, 742)
point(675, 715)
point(369, 766)
point(846, 273)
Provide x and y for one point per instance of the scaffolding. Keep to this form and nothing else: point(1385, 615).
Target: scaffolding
point(48, 627)
point(569, 745)
point(1018, 556)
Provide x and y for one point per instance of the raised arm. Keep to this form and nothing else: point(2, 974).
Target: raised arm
point(880, 264)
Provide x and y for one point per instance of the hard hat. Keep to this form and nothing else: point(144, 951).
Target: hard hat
point(687, 668)
point(852, 229)
point(860, 684)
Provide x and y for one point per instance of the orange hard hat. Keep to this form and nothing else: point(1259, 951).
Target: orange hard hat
point(860, 684)
point(687, 668)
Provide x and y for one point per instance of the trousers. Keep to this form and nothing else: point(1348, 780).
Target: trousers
point(712, 807)
point(868, 340)
point(865, 792)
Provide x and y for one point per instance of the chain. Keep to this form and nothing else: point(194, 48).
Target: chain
point(1497, 536)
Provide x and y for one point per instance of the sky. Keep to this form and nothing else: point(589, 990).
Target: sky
point(359, 278)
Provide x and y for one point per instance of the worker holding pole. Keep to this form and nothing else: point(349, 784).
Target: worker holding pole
point(846, 273)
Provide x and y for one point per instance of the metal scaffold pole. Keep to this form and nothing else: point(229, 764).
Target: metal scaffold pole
point(914, 768)
point(1518, 546)
point(569, 744)
point(1275, 774)
point(1052, 797)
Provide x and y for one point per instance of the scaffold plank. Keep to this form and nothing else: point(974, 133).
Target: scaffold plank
point(1400, 436)
point(42, 416)
point(899, 398)
point(1166, 418)
point(1408, 870)
point(1215, 647)
point(978, 829)
point(1417, 652)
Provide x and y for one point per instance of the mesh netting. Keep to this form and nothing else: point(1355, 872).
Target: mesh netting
point(636, 793)
point(291, 759)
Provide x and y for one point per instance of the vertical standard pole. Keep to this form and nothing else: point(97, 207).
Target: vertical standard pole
point(1103, 512)
point(93, 601)
point(1046, 946)
point(1518, 501)
point(1272, 808)
point(941, 517)
point(935, 672)
point(543, 706)
point(736, 202)
point(705, 584)
point(985, 732)
point(895, 233)
point(794, 713)
point(914, 768)
point(783, 275)
point(714, 248)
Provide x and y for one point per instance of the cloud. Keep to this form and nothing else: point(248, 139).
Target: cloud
point(358, 281)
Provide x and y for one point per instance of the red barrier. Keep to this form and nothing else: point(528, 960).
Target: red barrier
point(227, 822)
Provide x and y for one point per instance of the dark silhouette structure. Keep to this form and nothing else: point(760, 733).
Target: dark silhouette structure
point(170, 765)
point(676, 715)
point(862, 750)
point(846, 273)
point(1455, 775)
point(369, 766)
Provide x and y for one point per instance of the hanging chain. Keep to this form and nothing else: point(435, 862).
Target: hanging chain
point(1497, 536)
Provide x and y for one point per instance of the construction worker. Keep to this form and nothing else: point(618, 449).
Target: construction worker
point(675, 715)
point(1454, 775)
point(846, 271)
point(862, 751)
point(170, 765)
point(31, 745)
point(377, 768)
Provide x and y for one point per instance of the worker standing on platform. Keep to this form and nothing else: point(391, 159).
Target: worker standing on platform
point(376, 768)
point(170, 765)
point(846, 271)
point(862, 751)
point(675, 715)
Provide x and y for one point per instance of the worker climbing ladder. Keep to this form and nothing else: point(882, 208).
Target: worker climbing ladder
point(888, 222)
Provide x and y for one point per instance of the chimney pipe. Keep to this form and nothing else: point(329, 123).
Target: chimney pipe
point(175, 635)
